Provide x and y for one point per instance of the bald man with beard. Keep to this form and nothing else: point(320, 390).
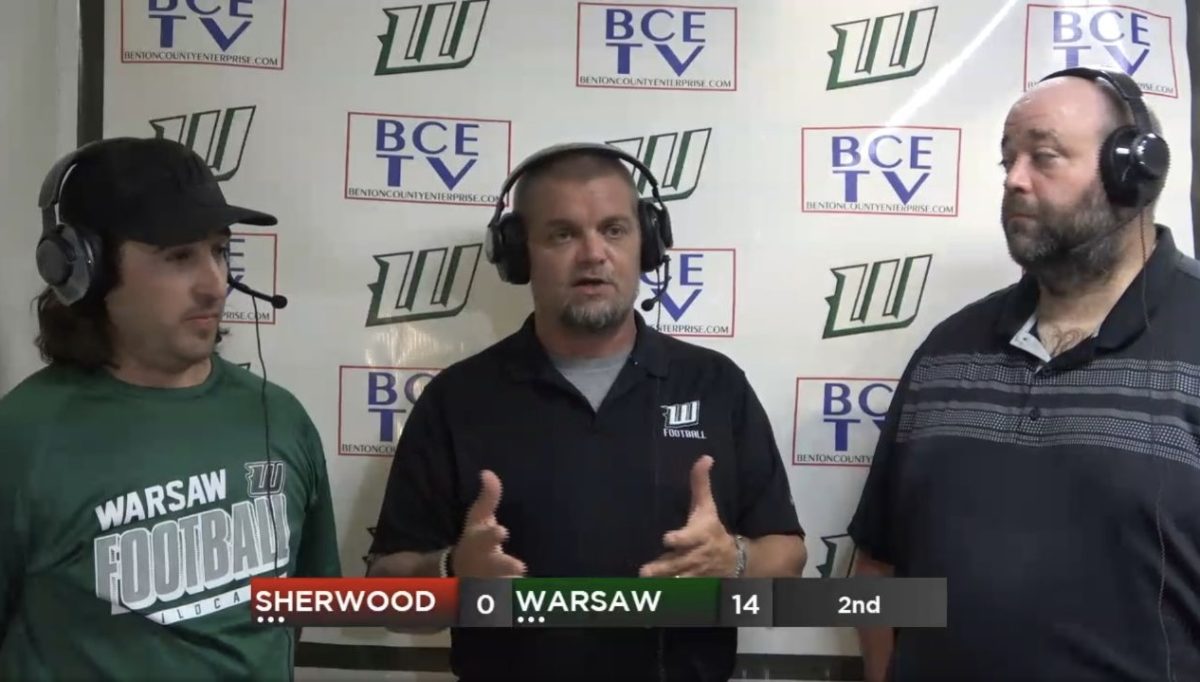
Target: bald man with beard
point(1042, 450)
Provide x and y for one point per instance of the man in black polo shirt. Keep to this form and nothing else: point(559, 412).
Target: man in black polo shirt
point(620, 451)
point(1042, 451)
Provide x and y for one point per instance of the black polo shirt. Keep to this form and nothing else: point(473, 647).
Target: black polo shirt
point(585, 493)
point(1032, 486)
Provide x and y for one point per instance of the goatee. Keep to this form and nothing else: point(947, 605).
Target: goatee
point(598, 317)
point(593, 319)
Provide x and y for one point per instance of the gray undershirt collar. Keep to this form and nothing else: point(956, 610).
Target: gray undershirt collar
point(593, 377)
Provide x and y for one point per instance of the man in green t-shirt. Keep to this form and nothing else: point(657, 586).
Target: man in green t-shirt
point(138, 493)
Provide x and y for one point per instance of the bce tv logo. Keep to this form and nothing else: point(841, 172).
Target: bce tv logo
point(1131, 40)
point(426, 159)
point(664, 47)
point(892, 170)
point(374, 403)
point(838, 420)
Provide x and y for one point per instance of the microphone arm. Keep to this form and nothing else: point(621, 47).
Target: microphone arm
point(276, 300)
point(648, 304)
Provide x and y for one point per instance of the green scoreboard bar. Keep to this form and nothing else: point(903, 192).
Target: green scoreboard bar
point(702, 602)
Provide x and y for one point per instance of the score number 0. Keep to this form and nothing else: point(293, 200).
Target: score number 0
point(485, 604)
point(749, 606)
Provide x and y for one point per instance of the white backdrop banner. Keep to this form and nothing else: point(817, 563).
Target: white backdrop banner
point(832, 172)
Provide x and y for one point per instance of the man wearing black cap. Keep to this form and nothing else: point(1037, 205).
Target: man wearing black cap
point(143, 479)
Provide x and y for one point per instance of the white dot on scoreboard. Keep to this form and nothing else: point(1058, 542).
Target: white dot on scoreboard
point(520, 619)
point(260, 619)
point(281, 619)
point(541, 619)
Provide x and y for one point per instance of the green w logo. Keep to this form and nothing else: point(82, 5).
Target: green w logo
point(884, 48)
point(422, 285)
point(839, 556)
point(218, 136)
point(264, 480)
point(452, 27)
point(675, 159)
point(874, 297)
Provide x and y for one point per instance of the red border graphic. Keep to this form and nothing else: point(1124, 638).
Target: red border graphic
point(274, 275)
point(341, 374)
point(676, 250)
point(346, 171)
point(282, 49)
point(796, 417)
point(957, 171)
point(579, 45)
point(1170, 40)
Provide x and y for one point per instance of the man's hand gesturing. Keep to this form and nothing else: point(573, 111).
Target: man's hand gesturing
point(478, 553)
point(702, 547)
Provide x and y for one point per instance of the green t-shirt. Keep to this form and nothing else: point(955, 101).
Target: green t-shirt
point(132, 520)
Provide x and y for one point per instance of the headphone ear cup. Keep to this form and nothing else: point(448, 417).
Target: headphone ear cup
point(54, 258)
point(655, 224)
point(1151, 158)
point(69, 260)
point(1121, 180)
point(507, 249)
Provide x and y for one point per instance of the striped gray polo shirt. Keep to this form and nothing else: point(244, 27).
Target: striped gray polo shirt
point(1033, 484)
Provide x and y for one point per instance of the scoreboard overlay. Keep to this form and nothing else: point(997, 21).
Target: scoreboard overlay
point(600, 602)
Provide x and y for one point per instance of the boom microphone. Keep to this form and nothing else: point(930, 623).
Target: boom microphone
point(648, 304)
point(276, 300)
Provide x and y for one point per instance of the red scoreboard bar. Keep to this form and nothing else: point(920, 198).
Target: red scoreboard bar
point(405, 602)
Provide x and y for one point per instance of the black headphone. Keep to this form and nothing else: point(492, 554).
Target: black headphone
point(506, 242)
point(68, 256)
point(1133, 159)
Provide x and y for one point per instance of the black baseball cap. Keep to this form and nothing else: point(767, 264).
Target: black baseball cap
point(150, 190)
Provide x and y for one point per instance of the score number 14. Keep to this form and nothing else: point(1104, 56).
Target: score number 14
point(749, 606)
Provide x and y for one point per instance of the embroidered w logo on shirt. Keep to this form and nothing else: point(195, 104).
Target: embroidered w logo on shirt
point(682, 414)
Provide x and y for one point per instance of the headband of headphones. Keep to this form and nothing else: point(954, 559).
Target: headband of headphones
point(51, 192)
point(560, 149)
point(1125, 86)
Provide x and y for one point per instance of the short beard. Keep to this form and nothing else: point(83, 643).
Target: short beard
point(1071, 248)
point(596, 318)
